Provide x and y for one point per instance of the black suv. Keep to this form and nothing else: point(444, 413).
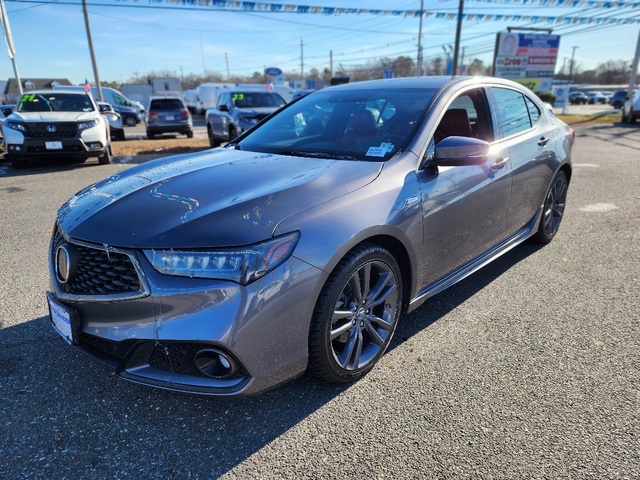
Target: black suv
point(168, 115)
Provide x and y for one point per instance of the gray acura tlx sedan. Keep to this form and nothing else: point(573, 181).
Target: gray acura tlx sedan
point(297, 246)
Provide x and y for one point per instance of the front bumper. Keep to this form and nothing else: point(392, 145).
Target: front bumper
point(71, 147)
point(155, 338)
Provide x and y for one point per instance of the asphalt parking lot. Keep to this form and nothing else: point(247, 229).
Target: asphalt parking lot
point(529, 368)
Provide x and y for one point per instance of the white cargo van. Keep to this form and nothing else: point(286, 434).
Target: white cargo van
point(128, 110)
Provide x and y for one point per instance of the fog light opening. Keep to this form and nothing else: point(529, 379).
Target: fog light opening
point(214, 363)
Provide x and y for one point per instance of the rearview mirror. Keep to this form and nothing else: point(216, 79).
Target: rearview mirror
point(461, 151)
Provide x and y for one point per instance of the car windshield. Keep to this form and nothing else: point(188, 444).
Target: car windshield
point(55, 102)
point(352, 124)
point(167, 104)
point(256, 100)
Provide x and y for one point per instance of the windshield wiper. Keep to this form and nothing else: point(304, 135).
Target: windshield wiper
point(333, 156)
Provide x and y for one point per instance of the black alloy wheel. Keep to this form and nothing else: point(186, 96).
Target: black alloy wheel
point(356, 315)
point(553, 209)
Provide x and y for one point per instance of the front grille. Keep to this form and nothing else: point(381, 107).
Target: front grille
point(42, 129)
point(98, 271)
point(104, 348)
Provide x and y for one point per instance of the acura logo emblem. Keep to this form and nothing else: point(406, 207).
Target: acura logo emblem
point(65, 262)
point(51, 128)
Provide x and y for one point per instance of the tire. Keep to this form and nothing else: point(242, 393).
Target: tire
point(617, 104)
point(631, 118)
point(150, 135)
point(189, 134)
point(232, 134)
point(354, 320)
point(121, 137)
point(213, 141)
point(19, 164)
point(130, 121)
point(105, 158)
point(553, 210)
point(624, 117)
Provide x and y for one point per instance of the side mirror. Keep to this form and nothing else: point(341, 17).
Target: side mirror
point(223, 108)
point(6, 111)
point(104, 109)
point(461, 151)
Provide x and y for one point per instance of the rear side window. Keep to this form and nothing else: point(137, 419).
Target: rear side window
point(511, 111)
point(534, 111)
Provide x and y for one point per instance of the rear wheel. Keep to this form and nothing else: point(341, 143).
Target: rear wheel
point(356, 315)
point(631, 118)
point(150, 135)
point(553, 209)
point(130, 121)
point(190, 134)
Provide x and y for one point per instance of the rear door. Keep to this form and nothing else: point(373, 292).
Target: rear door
point(530, 140)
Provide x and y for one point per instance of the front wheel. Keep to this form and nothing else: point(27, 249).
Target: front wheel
point(213, 141)
point(356, 315)
point(105, 158)
point(553, 209)
point(130, 121)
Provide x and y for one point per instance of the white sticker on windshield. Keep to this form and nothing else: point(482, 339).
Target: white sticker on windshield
point(388, 146)
point(376, 152)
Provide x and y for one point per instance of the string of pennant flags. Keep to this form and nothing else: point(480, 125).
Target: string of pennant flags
point(235, 5)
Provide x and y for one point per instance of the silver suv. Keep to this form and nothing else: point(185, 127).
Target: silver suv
point(50, 123)
point(237, 111)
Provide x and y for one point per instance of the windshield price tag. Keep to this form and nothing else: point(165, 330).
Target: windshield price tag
point(376, 151)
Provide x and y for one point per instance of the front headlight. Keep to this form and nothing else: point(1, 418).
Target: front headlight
point(15, 126)
point(247, 119)
point(88, 124)
point(242, 265)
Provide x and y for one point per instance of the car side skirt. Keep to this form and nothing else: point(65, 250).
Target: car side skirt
point(476, 264)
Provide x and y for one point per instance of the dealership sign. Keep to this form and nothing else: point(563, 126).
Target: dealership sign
point(527, 58)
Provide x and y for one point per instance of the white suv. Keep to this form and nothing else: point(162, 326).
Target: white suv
point(50, 123)
point(631, 108)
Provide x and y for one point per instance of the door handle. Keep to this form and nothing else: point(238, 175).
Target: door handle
point(500, 162)
point(543, 141)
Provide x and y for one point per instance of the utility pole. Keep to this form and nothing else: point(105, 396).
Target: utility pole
point(419, 72)
point(573, 54)
point(10, 48)
point(301, 63)
point(96, 75)
point(331, 62)
point(634, 70)
point(456, 48)
point(226, 59)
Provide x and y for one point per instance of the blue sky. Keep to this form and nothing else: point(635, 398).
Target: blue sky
point(183, 37)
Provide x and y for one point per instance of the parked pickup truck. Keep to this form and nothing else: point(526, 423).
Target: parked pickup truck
point(237, 111)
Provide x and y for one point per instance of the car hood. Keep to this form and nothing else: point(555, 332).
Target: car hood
point(257, 111)
point(51, 116)
point(221, 197)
